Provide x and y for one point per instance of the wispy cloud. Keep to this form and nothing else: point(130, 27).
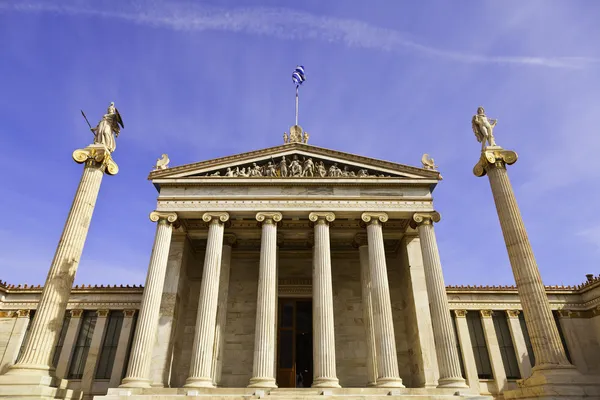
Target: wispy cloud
point(284, 24)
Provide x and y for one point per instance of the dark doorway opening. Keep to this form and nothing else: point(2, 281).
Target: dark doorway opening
point(294, 344)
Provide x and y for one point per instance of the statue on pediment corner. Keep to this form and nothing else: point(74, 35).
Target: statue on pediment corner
point(483, 127)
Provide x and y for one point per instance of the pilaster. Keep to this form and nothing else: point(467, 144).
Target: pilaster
point(69, 343)
point(519, 342)
point(494, 349)
point(123, 343)
point(94, 352)
point(16, 338)
point(466, 347)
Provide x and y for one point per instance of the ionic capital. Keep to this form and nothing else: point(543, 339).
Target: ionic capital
point(23, 313)
point(129, 313)
point(486, 313)
point(215, 217)
point(268, 217)
point(360, 239)
point(321, 217)
point(97, 153)
point(374, 217)
point(169, 217)
point(424, 219)
point(513, 313)
point(76, 313)
point(494, 158)
point(460, 313)
point(102, 313)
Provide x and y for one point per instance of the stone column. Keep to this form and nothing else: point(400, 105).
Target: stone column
point(122, 344)
point(324, 368)
point(263, 374)
point(443, 331)
point(204, 337)
point(464, 338)
point(160, 370)
point(385, 338)
point(16, 338)
point(365, 279)
point(494, 350)
point(519, 342)
point(69, 343)
point(91, 361)
point(217, 367)
point(138, 371)
point(36, 358)
point(545, 340)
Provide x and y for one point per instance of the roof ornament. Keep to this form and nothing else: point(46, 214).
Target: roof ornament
point(162, 162)
point(297, 135)
point(428, 162)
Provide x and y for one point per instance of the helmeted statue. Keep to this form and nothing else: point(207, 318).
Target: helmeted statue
point(483, 128)
point(111, 123)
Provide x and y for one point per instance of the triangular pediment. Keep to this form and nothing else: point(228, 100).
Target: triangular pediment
point(295, 161)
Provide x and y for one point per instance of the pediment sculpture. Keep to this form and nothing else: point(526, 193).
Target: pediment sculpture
point(295, 167)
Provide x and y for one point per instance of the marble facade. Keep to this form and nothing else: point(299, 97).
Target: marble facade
point(357, 241)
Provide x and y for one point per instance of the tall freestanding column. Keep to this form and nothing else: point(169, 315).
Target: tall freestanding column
point(263, 372)
point(138, 371)
point(204, 337)
point(360, 240)
point(325, 375)
point(36, 357)
point(388, 374)
point(443, 331)
point(552, 371)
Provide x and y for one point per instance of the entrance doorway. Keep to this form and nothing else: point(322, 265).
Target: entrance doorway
point(294, 344)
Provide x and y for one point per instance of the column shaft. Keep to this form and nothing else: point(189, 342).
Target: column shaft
point(68, 344)
point(138, 372)
point(466, 346)
point(324, 367)
point(46, 324)
point(365, 278)
point(263, 374)
point(92, 358)
point(124, 335)
point(200, 374)
point(443, 331)
point(387, 359)
point(545, 340)
point(519, 342)
point(217, 366)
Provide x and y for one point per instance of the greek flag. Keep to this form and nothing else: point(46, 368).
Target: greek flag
point(298, 75)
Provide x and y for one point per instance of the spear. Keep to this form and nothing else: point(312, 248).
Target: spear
point(86, 120)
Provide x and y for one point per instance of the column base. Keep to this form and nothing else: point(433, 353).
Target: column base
point(267, 383)
point(30, 369)
point(326, 383)
point(199, 383)
point(135, 383)
point(35, 386)
point(389, 383)
point(452, 383)
point(558, 382)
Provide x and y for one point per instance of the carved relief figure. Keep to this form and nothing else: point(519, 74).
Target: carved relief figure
point(334, 171)
point(309, 168)
point(270, 170)
point(283, 169)
point(483, 128)
point(321, 169)
point(229, 173)
point(295, 167)
point(111, 123)
point(255, 170)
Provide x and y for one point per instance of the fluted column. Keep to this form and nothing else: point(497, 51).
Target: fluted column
point(443, 331)
point(365, 280)
point(36, 357)
point(545, 340)
point(385, 339)
point(138, 371)
point(263, 372)
point(204, 337)
point(324, 368)
point(217, 368)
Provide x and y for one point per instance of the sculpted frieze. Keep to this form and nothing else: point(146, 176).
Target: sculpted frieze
point(295, 166)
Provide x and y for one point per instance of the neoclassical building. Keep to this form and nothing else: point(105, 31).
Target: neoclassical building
point(297, 272)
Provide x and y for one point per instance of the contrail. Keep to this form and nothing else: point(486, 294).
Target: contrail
point(280, 23)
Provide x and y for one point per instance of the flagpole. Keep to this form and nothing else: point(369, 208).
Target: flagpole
point(296, 104)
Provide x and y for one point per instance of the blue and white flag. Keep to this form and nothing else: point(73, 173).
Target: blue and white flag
point(298, 75)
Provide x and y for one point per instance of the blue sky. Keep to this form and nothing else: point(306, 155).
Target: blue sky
point(385, 79)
